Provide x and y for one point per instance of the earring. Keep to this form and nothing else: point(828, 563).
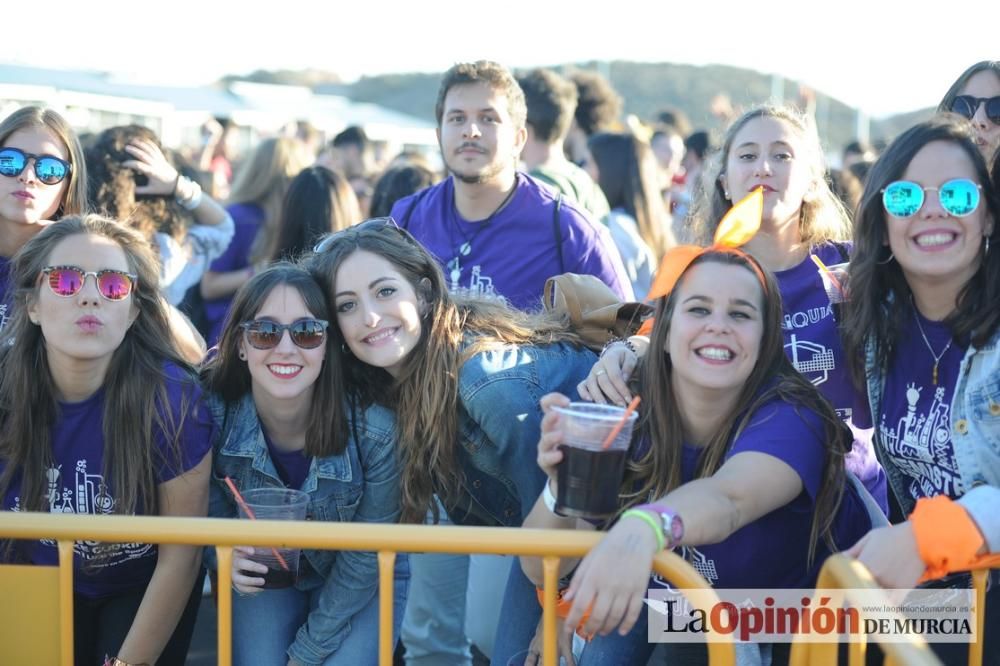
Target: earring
point(344, 349)
point(243, 355)
point(987, 250)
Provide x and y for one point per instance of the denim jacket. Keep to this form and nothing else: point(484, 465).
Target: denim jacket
point(975, 434)
point(361, 484)
point(499, 424)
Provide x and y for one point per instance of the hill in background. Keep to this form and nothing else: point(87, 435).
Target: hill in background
point(645, 87)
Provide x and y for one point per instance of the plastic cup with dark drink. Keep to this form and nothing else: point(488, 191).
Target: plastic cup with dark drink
point(589, 475)
point(276, 504)
point(835, 286)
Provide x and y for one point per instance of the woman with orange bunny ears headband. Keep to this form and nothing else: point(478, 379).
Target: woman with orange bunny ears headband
point(775, 150)
point(736, 460)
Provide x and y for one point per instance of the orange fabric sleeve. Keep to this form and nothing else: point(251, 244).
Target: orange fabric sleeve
point(947, 537)
point(563, 607)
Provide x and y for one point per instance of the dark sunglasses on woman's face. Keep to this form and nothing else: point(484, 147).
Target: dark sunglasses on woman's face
point(48, 168)
point(67, 281)
point(266, 334)
point(967, 105)
point(369, 224)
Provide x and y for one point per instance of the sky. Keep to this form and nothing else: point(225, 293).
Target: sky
point(883, 57)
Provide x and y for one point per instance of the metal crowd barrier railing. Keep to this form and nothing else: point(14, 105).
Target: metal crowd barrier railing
point(386, 540)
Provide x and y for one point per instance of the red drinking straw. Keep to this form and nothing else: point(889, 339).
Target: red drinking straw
point(829, 274)
point(249, 512)
point(621, 424)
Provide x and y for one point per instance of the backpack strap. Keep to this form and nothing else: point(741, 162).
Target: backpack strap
point(405, 222)
point(557, 228)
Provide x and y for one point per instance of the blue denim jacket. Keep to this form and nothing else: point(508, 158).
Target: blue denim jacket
point(975, 434)
point(361, 484)
point(499, 424)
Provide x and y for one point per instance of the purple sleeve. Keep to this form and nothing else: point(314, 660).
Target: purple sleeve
point(246, 222)
point(591, 244)
point(792, 434)
point(186, 406)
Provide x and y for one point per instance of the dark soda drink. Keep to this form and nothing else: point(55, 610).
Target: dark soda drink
point(588, 481)
point(274, 579)
point(279, 578)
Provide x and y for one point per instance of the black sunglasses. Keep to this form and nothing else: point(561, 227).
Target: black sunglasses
point(48, 168)
point(368, 225)
point(967, 105)
point(266, 334)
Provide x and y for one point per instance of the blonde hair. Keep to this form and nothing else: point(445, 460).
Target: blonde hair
point(74, 201)
point(822, 218)
point(263, 181)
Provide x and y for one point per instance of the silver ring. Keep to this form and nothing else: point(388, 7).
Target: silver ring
point(599, 373)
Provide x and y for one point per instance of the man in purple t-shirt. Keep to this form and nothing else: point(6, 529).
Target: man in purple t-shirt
point(495, 230)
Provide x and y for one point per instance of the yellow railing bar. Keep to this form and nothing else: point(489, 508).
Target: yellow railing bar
point(224, 555)
point(976, 649)
point(842, 572)
point(385, 539)
point(66, 602)
point(386, 590)
point(550, 582)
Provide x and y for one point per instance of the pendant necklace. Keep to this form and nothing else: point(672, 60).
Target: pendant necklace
point(465, 248)
point(937, 357)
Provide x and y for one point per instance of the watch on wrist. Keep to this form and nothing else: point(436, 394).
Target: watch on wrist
point(670, 521)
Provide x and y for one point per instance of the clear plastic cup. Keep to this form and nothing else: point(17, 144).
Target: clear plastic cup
point(589, 476)
point(835, 286)
point(276, 504)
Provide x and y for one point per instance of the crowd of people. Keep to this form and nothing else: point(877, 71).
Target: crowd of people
point(375, 337)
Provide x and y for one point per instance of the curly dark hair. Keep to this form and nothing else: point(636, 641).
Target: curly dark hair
point(112, 186)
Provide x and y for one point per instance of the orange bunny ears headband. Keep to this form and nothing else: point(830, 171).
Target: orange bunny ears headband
point(737, 227)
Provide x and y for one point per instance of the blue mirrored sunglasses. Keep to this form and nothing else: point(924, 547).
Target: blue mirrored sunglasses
point(959, 197)
point(48, 169)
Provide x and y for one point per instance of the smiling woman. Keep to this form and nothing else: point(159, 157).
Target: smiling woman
point(272, 386)
point(737, 459)
point(463, 376)
point(924, 329)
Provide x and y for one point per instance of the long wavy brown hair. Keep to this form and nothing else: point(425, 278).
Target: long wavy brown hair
point(424, 395)
point(773, 377)
point(879, 306)
point(112, 186)
point(135, 383)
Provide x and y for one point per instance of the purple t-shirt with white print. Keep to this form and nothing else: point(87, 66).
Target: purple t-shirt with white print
point(247, 220)
point(812, 342)
point(6, 293)
point(515, 252)
point(915, 420)
point(76, 484)
point(771, 552)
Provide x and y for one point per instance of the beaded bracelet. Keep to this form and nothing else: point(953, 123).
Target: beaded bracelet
point(625, 341)
point(649, 520)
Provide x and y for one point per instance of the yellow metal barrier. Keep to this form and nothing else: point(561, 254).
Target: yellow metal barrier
point(387, 540)
point(842, 572)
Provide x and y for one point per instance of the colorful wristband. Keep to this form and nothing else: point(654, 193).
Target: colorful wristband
point(649, 520)
point(947, 537)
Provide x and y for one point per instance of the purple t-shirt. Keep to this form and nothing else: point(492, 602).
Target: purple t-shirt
point(812, 342)
point(771, 552)
point(515, 252)
point(915, 420)
point(292, 466)
point(76, 484)
point(248, 219)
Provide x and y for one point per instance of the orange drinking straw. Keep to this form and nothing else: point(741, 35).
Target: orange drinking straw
point(621, 424)
point(247, 510)
point(829, 273)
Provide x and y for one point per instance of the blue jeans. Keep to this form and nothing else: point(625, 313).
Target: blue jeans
point(434, 629)
point(265, 624)
point(519, 616)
